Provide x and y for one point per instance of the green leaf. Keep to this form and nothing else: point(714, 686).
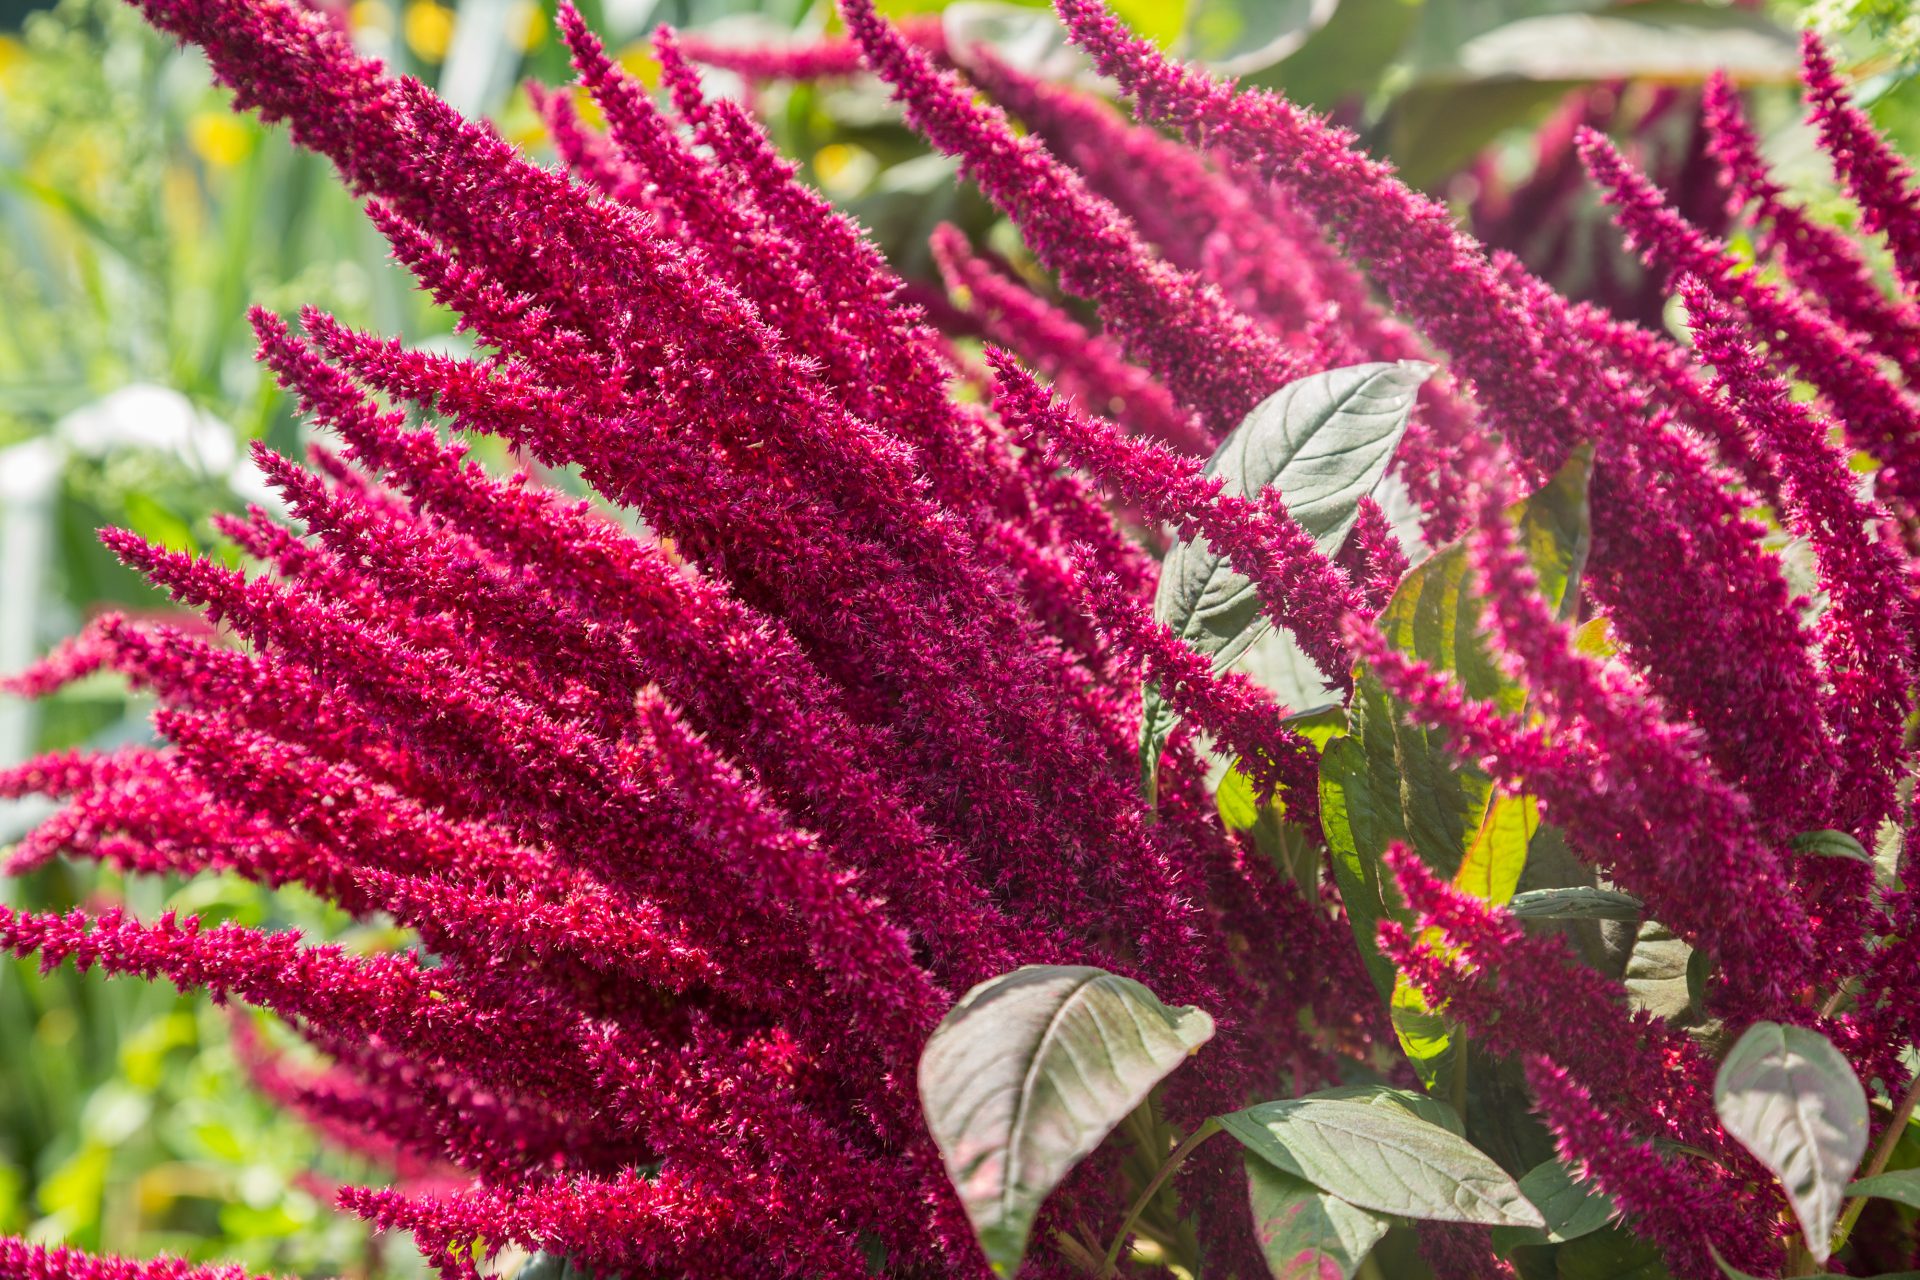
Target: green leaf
point(1732, 1272)
point(1157, 720)
point(1345, 59)
point(1902, 1187)
point(1029, 1073)
point(1412, 1101)
point(1830, 844)
point(1382, 1158)
point(1789, 1097)
point(1571, 1210)
point(1575, 902)
point(1323, 442)
point(1304, 1233)
point(1612, 1254)
point(1392, 779)
point(1727, 1269)
point(1235, 37)
point(1659, 39)
point(1490, 868)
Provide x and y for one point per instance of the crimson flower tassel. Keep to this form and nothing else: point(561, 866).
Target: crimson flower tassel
point(1214, 359)
point(1827, 266)
point(1879, 181)
point(1879, 416)
point(1084, 365)
point(20, 1260)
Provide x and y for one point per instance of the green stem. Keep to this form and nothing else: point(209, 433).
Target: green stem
point(1370, 1270)
point(1174, 1161)
point(1077, 1253)
point(1877, 1163)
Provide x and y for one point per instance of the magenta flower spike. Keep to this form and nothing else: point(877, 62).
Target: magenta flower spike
point(1669, 1206)
point(1865, 633)
point(833, 57)
point(1214, 359)
point(1084, 365)
point(1879, 181)
point(1828, 267)
point(20, 1260)
point(1879, 416)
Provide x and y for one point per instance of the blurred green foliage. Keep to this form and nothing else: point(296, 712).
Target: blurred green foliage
point(138, 219)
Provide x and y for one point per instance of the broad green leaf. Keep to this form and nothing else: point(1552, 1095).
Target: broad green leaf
point(1029, 1073)
point(1236, 797)
point(1444, 29)
point(1902, 1187)
point(1490, 871)
point(1424, 1034)
point(1383, 1158)
point(1412, 1101)
point(1575, 902)
point(1789, 1097)
point(1732, 1272)
point(1595, 639)
point(1830, 844)
point(1344, 60)
point(1360, 815)
point(1324, 442)
point(1235, 37)
point(1612, 1254)
point(1658, 39)
point(1391, 779)
point(1157, 720)
point(1304, 1233)
point(1699, 969)
point(1727, 1269)
point(1433, 129)
point(1237, 801)
point(1289, 845)
point(1571, 1210)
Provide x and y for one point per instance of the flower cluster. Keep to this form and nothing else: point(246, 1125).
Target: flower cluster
point(707, 795)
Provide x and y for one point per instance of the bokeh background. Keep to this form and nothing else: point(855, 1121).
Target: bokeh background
point(139, 217)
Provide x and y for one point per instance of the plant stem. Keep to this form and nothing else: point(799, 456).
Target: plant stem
point(1174, 1161)
point(1877, 1162)
point(1839, 997)
point(1077, 1253)
point(1370, 1270)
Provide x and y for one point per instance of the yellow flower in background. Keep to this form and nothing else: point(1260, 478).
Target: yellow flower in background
point(844, 169)
point(12, 54)
point(370, 15)
point(220, 138)
point(428, 29)
point(638, 61)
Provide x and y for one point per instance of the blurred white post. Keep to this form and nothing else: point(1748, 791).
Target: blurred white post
point(480, 64)
point(29, 475)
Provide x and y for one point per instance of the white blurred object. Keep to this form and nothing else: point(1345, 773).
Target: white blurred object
point(145, 416)
point(29, 475)
point(139, 417)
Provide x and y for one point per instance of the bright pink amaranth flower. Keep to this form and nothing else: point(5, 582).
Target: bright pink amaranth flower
point(1878, 179)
